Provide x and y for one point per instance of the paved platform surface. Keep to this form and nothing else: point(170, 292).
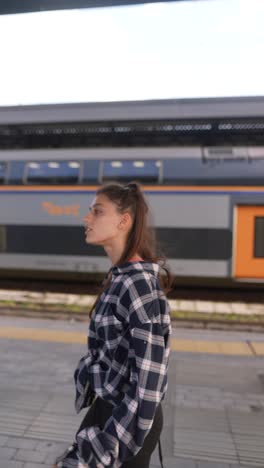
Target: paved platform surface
point(214, 409)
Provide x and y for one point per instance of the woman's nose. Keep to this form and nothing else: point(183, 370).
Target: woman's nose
point(86, 218)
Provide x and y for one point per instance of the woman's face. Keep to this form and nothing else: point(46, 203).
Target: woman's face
point(102, 222)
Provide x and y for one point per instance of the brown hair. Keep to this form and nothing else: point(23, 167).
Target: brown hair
point(141, 237)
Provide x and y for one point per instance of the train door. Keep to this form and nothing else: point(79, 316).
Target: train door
point(249, 242)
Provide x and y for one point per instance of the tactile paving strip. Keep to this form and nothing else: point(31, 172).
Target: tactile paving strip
point(220, 437)
point(47, 426)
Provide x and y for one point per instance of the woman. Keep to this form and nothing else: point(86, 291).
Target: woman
point(123, 377)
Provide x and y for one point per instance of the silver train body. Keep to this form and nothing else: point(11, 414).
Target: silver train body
point(207, 204)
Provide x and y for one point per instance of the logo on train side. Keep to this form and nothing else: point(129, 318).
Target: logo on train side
point(57, 210)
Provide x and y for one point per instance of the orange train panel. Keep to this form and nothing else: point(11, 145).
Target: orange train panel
point(245, 264)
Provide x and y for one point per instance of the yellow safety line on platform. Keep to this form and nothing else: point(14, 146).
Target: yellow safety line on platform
point(195, 346)
point(258, 348)
point(37, 334)
point(212, 347)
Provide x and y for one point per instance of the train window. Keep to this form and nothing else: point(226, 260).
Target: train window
point(193, 171)
point(183, 171)
point(171, 170)
point(3, 170)
point(16, 172)
point(2, 239)
point(259, 237)
point(90, 171)
point(53, 172)
point(145, 171)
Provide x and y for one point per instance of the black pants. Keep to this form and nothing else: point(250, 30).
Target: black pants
point(101, 411)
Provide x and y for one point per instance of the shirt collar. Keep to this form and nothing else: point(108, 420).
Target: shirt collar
point(129, 267)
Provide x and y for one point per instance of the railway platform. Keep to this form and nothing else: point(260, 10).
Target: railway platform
point(214, 408)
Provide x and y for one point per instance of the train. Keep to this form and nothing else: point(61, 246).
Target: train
point(205, 189)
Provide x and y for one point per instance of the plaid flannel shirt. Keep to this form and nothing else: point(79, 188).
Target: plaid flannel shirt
point(126, 365)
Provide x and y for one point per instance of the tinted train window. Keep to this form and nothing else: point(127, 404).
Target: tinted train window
point(144, 171)
point(53, 172)
point(259, 237)
point(3, 169)
point(193, 171)
point(171, 170)
point(16, 172)
point(183, 170)
point(2, 239)
point(90, 171)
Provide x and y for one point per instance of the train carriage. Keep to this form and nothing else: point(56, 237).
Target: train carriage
point(201, 163)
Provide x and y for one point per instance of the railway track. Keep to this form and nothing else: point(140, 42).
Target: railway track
point(220, 294)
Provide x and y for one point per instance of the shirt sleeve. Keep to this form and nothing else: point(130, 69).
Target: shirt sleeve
point(81, 377)
point(125, 431)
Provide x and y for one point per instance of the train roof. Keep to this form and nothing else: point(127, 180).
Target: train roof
point(209, 108)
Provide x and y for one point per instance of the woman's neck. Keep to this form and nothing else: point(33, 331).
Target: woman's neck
point(136, 258)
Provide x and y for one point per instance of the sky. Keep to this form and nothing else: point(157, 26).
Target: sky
point(204, 48)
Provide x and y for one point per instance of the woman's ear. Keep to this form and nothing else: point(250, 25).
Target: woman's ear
point(126, 221)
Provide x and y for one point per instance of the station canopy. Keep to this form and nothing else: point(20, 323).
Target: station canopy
point(8, 7)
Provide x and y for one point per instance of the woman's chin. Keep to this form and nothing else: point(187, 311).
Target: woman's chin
point(90, 240)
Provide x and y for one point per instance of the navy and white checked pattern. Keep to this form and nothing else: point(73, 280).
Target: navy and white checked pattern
point(126, 365)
